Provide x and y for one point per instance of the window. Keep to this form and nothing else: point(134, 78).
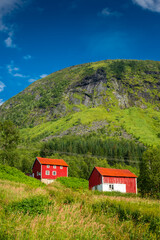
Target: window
point(37, 174)
point(54, 173)
point(48, 166)
point(111, 187)
point(54, 167)
point(47, 172)
point(61, 167)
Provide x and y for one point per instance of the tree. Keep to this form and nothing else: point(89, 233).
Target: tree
point(149, 180)
point(9, 139)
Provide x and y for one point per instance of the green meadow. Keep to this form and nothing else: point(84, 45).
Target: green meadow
point(66, 209)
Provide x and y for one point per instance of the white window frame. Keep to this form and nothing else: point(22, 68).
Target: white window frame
point(48, 166)
point(54, 166)
point(47, 172)
point(61, 167)
point(54, 173)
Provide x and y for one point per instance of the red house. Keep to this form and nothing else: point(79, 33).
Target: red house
point(47, 170)
point(106, 179)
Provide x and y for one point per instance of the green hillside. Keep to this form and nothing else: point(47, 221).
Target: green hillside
point(15, 175)
point(121, 97)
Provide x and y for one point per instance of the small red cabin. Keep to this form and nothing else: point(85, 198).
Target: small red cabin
point(107, 179)
point(47, 170)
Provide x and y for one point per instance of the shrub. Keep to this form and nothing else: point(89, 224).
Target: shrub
point(13, 174)
point(73, 182)
point(32, 206)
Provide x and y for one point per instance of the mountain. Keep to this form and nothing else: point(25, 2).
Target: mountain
point(119, 97)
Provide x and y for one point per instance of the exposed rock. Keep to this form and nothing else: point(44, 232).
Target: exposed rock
point(122, 100)
point(37, 97)
point(76, 109)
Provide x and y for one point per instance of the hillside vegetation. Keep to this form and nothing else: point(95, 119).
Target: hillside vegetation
point(66, 209)
point(121, 97)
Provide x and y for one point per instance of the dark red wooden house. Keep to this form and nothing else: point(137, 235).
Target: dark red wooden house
point(107, 179)
point(47, 170)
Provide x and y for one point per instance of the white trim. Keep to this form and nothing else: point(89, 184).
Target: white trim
point(46, 172)
point(102, 183)
point(136, 186)
point(54, 174)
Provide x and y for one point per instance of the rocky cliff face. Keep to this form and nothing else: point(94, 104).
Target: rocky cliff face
point(111, 84)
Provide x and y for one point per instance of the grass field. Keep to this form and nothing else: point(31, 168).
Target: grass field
point(62, 210)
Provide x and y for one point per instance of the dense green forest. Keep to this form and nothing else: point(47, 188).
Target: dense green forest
point(114, 150)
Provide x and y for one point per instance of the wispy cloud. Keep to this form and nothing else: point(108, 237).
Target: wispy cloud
point(43, 75)
point(27, 57)
point(35, 79)
point(2, 86)
point(20, 75)
point(106, 12)
point(6, 7)
point(13, 70)
point(32, 80)
point(1, 102)
point(9, 41)
point(152, 5)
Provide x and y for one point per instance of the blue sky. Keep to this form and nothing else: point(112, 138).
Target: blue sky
point(39, 37)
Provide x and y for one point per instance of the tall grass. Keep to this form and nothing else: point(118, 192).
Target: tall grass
point(62, 212)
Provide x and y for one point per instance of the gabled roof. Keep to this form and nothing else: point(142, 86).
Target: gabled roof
point(110, 172)
point(48, 161)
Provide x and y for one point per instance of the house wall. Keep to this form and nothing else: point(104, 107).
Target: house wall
point(98, 187)
point(36, 168)
point(117, 187)
point(131, 186)
point(59, 172)
point(95, 179)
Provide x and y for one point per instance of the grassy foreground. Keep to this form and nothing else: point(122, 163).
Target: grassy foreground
point(66, 209)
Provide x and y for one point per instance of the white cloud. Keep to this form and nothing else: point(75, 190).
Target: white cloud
point(27, 57)
point(19, 75)
point(11, 68)
point(107, 12)
point(152, 5)
point(1, 102)
point(43, 75)
point(2, 86)
point(32, 80)
point(9, 41)
point(13, 71)
point(6, 8)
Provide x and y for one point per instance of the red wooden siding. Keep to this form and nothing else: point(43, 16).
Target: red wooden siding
point(95, 178)
point(59, 172)
point(36, 168)
point(130, 182)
